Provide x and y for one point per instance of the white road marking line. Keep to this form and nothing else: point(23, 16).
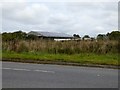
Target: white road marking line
point(6, 68)
point(44, 71)
point(18, 69)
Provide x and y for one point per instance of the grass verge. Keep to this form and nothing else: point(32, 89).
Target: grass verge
point(83, 58)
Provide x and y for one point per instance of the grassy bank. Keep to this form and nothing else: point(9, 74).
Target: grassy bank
point(82, 58)
point(81, 52)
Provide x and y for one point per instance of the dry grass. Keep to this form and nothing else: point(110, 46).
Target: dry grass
point(66, 47)
point(83, 52)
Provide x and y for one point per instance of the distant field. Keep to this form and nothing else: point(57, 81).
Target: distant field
point(83, 58)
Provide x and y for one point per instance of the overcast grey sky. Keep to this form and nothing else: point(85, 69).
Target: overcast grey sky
point(69, 17)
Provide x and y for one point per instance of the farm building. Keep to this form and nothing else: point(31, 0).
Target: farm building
point(51, 35)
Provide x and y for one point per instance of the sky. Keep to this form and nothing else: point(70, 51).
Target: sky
point(83, 17)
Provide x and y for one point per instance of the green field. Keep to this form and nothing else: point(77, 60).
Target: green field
point(82, 58)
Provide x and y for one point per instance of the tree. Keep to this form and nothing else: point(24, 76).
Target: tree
point(31, 37)
point(18, 35)
point(114, 35)
point(101, 37)
point(86, 37)
point(76, 36)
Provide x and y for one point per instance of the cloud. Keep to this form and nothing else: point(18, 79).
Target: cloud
point(32, 14)
point(81, 18)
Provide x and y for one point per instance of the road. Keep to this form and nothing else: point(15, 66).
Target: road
point(22, 75)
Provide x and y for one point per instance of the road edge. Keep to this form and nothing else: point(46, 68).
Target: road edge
point(61, 63)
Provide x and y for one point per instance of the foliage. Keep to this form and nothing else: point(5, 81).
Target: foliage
point(21, 42)
point(114, 35)
point(76, 36)
point(101, 37)
point(18, 35)
point(85, 36)
point(19, 45)
point(31, 37)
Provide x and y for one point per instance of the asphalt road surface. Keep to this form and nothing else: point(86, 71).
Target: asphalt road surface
point(22, 75)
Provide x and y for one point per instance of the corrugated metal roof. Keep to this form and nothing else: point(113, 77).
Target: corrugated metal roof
point(49, 34)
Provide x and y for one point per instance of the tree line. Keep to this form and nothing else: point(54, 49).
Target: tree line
point(19, 35)
point(114, 35)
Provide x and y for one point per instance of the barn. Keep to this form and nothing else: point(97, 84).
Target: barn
point(51, 35)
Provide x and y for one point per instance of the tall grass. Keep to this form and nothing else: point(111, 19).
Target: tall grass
point(57, 47)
